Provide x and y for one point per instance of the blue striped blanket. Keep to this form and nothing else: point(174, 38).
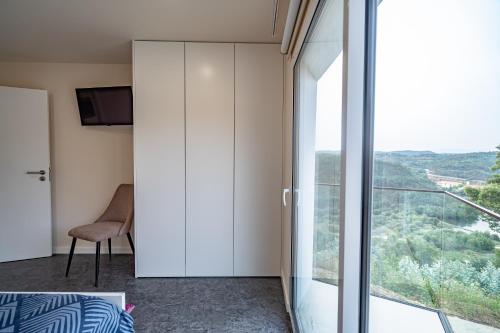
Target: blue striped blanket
point(65, 313)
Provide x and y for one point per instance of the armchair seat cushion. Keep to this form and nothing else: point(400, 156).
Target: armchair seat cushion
point(96, 232)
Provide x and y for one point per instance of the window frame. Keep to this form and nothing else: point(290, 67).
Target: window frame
point(359, 24)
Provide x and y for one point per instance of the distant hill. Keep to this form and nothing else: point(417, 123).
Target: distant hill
point(387, 173)
point(406, 169)
point(470, 166)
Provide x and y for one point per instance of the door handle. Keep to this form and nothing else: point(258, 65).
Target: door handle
point(285, 191)
point(41, 172)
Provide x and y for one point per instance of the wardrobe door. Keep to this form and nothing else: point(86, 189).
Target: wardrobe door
point(209, 158)
point(258, 156)
point(159, 158)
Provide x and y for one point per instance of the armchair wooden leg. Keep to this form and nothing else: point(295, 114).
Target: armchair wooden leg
point(73, 243)
point(97, 258)
point(109, 248)
point(130, 242)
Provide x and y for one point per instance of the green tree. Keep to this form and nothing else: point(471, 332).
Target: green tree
point(495, 179)
point(489, 195)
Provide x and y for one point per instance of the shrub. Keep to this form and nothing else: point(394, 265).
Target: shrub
point(489, 278)
point(481, 241)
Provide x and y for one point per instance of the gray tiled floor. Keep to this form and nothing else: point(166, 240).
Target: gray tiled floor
point(162, 305)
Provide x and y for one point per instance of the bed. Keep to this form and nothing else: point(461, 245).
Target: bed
point(22, 312)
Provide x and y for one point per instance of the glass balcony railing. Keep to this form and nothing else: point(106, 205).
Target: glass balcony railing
point(431, 249)
point(326, 233)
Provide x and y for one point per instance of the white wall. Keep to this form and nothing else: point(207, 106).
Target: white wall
point(87, 163)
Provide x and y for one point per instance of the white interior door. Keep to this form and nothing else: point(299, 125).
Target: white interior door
point(25, 208)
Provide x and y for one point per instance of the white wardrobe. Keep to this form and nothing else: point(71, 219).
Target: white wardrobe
point(208, 158)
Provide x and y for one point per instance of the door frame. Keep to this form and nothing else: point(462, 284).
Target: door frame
point(368, 159)
point(356, 158)
point(295, 165)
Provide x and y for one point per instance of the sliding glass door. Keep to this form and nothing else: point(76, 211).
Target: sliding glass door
point(435, 222)
point(397, 176)
point(317, 171)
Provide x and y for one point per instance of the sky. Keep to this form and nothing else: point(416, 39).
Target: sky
point(437, 78)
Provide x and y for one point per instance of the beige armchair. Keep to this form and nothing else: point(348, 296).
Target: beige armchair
point(116, 221)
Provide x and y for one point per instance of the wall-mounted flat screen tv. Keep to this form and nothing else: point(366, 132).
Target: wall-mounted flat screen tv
point(105, 106)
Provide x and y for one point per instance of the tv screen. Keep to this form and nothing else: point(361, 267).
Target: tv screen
point(105, 106)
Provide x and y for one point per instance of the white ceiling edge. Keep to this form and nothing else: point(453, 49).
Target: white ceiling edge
point(101, 31)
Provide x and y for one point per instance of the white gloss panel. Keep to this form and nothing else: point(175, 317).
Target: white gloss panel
point(209, 158)
point(159, 158)
point(258, 159)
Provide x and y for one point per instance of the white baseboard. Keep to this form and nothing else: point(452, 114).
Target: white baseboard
point(91, 250)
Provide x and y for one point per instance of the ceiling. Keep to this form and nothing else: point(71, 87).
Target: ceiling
point(100, 31)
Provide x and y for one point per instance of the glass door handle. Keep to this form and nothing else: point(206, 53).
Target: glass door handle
point(285, 191)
